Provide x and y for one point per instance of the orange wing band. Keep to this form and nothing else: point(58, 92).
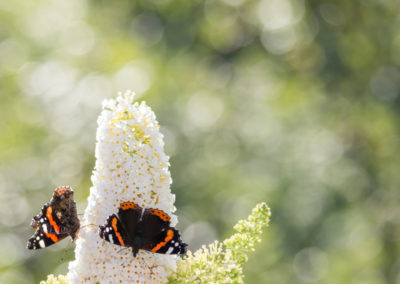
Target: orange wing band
point(53, 237)
point(170, 235)
point(114, 225)
point(128, 205)
point(163, 216)
point(51, 220)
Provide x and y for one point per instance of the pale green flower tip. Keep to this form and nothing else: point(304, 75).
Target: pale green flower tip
point(221, 262)
point(263, 210)
point(51, 279)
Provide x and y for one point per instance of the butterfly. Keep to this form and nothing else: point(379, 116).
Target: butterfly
point(146, 229)
point(57, 220)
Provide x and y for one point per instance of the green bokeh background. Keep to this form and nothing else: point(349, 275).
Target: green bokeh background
point(295, 103)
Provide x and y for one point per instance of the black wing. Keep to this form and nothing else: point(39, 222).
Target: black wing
point(36, 220)
point(49, 229)
point(158, 236)
point(48, 222)
point(113, 232)
point(129, 214)
point(154, 221)
point(41, 239)
point(167, 241)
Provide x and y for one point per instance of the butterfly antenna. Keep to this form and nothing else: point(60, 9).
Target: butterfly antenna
point(150, 267)
point(122, 250)
point(89, 225)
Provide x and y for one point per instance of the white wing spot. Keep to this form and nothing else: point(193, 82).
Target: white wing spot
point(170, 250)
point(42, 244)
point(110, 239)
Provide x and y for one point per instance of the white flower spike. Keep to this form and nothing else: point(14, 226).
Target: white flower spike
point(130, 166)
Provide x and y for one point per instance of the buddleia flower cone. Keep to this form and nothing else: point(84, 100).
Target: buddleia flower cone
point(130, 166)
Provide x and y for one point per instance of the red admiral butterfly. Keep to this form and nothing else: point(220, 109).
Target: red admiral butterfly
point(57, 220)
point(138, 228)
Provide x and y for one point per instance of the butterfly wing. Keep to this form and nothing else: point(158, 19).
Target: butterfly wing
point(158, 236)
point(130, 213)
point(155, 220)
point(41, 239)
point(46, 234)
point(39, 218)
point(114, 232)
point(167, 241)
point(48, 222)
point(49, 229)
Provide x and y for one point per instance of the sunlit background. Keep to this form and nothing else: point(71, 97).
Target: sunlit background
point(295, 103)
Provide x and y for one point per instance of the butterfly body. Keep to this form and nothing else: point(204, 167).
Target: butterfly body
point(138, 228)
point(57, 220)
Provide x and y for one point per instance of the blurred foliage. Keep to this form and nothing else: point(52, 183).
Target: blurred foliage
point(292, 102)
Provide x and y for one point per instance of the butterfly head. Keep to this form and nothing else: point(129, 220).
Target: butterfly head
point(63, 192)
